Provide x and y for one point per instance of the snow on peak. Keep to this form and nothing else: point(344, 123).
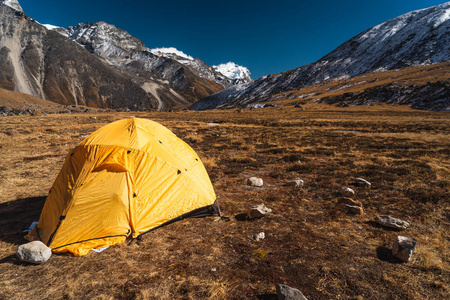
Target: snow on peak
point(51, 27)
point(445, 16)
point(57, 29)
point(169, 51)
point(233, 71)
point(12, 3)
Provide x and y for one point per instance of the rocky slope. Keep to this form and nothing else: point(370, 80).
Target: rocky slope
point(187, 75)
point(418, 37)
point(430, 96)
point(121, 49)
point(47, 65)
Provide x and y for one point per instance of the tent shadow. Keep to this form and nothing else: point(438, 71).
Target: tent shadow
point(16, 216)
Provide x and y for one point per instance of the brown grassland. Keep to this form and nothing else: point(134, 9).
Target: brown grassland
point(309, 245)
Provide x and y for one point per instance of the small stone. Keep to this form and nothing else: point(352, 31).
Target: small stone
point(258, 211)
point(362, 182)
point(34, 252)
point(356, 210)
point(403, 248)
point(347, 192)
point(349, 201)
point(255, 181)
point(350, 206)
point(388, 221)
point(260, 236)
point(285, 292)
point(297, 183)
point(213, 270)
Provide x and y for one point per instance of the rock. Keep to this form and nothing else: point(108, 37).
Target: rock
point(347, 192)
point(34, 252)
point(255, 181)
point(260, 236)
point(353, 209)
point(362, 182)
point(258, 211)
point(349, 201)
point(297, 183)
point(403, 248)
point(285, 292)
point(351, 206)
point(388, 221)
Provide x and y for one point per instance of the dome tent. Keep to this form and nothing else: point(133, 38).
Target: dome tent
point(127, 178)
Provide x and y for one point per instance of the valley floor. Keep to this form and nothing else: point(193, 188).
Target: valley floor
point(310, 244)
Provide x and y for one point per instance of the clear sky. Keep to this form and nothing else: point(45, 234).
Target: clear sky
point(265, 36)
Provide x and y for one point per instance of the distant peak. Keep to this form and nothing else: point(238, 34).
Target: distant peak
point(234, 71)
point(12, 3)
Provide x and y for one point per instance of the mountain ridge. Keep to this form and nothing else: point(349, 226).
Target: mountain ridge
point(114, 69)
point(418, 37)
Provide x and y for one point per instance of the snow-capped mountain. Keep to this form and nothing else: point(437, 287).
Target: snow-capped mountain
point(199, 67)
point(120, 48)
point(161, 79)
point(12, 3)
point(48, 65)
point(237, 74)
point(231, 70)
point(415, 38)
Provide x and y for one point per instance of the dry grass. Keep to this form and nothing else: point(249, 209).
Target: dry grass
point(310, 245)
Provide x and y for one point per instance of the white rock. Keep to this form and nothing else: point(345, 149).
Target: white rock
point(403, 248)
point(260, 236)
point(362, 182)
point(388, 221)
point(258, 211)
point(34, 252)
point(255, 181)
point(285, 292)
point(347, 192)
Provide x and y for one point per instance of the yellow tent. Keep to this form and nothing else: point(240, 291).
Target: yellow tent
point(125, 179)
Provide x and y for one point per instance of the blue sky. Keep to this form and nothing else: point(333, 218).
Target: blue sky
point(265, 36)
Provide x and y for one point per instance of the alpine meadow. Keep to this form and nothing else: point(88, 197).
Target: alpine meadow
point(134, 170)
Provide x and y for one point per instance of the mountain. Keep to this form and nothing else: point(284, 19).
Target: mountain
point(96, 65)
point(49, 66)
point(187, 75)
point(225, 74)
point(239, 74)
point(417, 38)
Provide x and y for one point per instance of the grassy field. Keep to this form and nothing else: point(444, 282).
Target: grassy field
point(310, 244)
